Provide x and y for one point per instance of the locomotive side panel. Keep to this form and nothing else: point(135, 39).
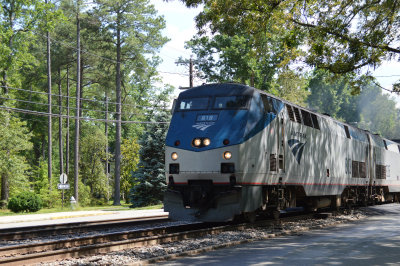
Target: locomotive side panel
point(379, 161)
point(392, 161)
point(325, 178)
point(322, 157)
point(356, 161)
point(297, 145)
point(387, 167)
point(260, 142)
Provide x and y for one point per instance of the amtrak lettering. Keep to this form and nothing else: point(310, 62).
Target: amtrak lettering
point(297, 148)
point(298, 134)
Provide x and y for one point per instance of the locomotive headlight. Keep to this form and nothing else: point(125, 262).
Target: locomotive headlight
point(196, 142)
point(174, 156)
point(227, 155)
point(206, 141)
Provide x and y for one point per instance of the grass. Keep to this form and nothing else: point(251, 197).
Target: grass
point(110, 207)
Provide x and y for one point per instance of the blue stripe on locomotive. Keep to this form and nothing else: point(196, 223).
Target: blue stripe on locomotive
point(235, 125)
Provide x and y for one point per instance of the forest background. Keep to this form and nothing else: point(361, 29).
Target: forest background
point(105, 53)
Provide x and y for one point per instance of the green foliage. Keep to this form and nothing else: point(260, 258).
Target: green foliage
point(18, 21)
point(149, 179)
point(84, 194)
point(14, 140)
point(378, 112)
point(25, 202)
point(251, 59)
point(371, 109)
point(291, 87)
point(23, 26)
point(40, 180)
point(340, 36)
point(40, 183)
point(333, 96)
point(224, 58)
point(140, 30)
point(129, 161)
point(92, 148)
point(260, 58)
point(23, 145)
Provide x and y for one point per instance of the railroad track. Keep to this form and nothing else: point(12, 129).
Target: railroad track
point(91, 245)
point(30, 232)
point(82, 246)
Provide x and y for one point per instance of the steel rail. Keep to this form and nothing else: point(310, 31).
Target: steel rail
point(75, 247)
point(29, 232)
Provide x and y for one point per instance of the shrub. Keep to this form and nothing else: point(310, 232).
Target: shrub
point(25, 202)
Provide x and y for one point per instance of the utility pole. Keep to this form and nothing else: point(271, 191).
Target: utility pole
point(117, 191)
point(50, 148)
point(78, 86)
point(186, 62)
point(190, 72)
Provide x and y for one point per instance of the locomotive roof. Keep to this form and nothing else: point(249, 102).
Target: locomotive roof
point(218, 89)
point(241, 89)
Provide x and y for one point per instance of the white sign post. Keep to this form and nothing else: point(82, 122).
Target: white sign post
point(62, 186)
point(63, 178)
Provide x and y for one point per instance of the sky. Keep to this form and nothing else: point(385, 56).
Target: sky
point(180, 27)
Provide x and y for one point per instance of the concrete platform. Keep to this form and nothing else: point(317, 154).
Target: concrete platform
point(73, 216)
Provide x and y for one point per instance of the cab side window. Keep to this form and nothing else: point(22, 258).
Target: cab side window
point(268, 104)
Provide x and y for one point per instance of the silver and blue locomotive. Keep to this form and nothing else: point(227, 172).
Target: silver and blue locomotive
point(234, 150)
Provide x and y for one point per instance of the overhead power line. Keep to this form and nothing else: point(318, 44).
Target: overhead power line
point(74, 117)
point(174, 73)
point(383, 88)
point(386, 76)
point(83, 99)
point(54, 105)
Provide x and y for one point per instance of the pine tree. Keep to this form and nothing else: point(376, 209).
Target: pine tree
point(133, 29)
point(150, 176)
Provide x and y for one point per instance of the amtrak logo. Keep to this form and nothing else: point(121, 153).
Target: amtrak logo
point(202, 127)
point(297, 148)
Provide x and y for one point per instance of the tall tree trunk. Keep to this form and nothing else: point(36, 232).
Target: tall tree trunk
point(67, 135)
point(117, 197)
point(4, 190)
point(77, 112)
point(50, 137)
point(106, 134)
point(81, 85)
point(60, 135)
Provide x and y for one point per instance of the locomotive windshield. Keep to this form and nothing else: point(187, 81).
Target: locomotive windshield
point(193, 104)
point(231, 102)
